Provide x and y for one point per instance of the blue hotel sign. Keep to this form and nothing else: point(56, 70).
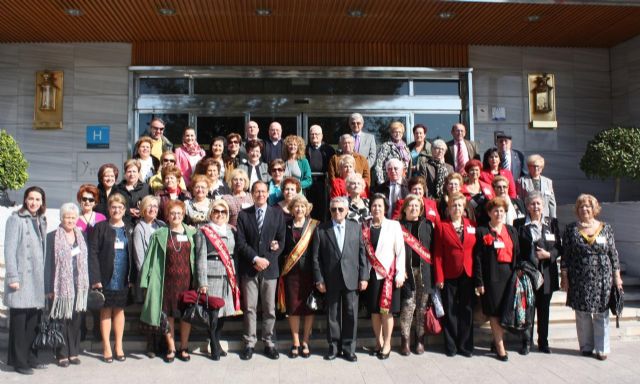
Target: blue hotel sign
point(98, 136)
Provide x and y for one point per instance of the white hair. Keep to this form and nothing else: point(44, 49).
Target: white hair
point(356, 116)
point(345, 137)
point(69, 208)
point(439, 143)
point(339, 200)
point(394, 161)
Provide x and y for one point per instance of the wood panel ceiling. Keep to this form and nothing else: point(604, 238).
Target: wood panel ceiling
point(319, 21)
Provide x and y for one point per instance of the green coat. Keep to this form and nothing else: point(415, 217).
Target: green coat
point(152, 276)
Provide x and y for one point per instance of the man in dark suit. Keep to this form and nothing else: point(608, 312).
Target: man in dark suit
point(460, 150)
point(510, 159)
point(340, 270)
point(318, 154)
point(260, 240)
point(395, 188)
point(273, 146)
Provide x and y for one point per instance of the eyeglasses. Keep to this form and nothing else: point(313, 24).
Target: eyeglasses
point(277, 170)
point(234, 142)
point(220, 212)
point(88, 200)
point(116, 208)
point(169, 161)
point(501, 187)
point(337, 209)
point(176, 213)
point(160, 129)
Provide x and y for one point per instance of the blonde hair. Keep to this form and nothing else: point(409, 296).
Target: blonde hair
point(411, 197)
point(586, 198)
point(301, 146)
point(302, 200)
point(218, 203)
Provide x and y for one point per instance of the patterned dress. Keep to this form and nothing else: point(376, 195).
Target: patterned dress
point(195, 215)
point(590, 265)
point(177, 273)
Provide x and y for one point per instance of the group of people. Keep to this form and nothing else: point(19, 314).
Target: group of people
point(281, 223)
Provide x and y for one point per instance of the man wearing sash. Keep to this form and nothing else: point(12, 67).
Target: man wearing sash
point(260, 241)
point(340, 270)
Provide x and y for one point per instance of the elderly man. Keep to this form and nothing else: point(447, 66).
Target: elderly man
point(510, 159)
point(251, 131)
point(347, 146)
point(340, 269)
point(259, 243)
point(273, 146)
point(460, 150)
point(395, 188)
point(318, 154)
point(160, 143)
point(364, 143)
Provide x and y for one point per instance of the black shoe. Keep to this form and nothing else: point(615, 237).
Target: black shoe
point(247, 354)
point(38, 366)
point(63, 363)
point(331, 355)
point(352, 357)
point(222, 352)
point(587, 353)
point(294, 352)
point(544, 348)
point(524, 350)
point(272, 353)
point(121, 358)
point(450, 353)
point(74, 361)
point(384, 356)
point(183, 355)
point(107, 360)
point(465, 353)
point(24, 371)
point(374, 352)
point(304, 351)
point(504, 357)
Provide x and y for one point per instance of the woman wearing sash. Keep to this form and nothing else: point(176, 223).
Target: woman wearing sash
point(296, 279)
point(386, 255)
point(453, 262)
point(216, 272)
point(417, 234)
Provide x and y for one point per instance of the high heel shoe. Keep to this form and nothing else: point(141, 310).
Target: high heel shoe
point(168, 358)
point(304, 350)
point(384, 356)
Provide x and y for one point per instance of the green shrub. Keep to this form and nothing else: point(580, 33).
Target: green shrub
point(13, 166)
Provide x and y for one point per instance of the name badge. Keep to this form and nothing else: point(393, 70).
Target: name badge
point(547, 193)
point(431, 212)
point(487, 191)
point(600, 240)
point(471, 230)
point(75, 251)
point(498, 244)
point(182, 238)
point(246, 205)
point(118, 244)
point(549, 237)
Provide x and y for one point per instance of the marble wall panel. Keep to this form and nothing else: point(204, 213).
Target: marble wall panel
point(101, 80)
point(591, 83)
point(540, 140)
point(564, 83)
point(495, 57)
point(100, 109)
point(547, 59)
point(494, 82)
point(8, 110)
point(102, 55)
point(593, 111)
point(619, 81)
point(46, 56)
point(8, 82)
point(51, 164)
point(621, 110)
point(44, 140)
point(565, 111)
point(515, 107)
point(591, 60)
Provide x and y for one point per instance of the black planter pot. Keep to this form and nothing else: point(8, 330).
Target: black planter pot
point(4, 199)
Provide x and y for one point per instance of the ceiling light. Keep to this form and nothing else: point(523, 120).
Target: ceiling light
point(533, 18)
point(263, 12)
point(446, 15)
point(166, 11)
point(355, 13)
point(73, 12)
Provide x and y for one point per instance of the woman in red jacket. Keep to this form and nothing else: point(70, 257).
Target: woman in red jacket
point(453, 257)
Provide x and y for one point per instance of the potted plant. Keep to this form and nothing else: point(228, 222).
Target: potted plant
point(613, 152)
point(13, 167)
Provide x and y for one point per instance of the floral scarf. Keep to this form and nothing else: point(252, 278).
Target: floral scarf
point(193, 149)
point(66, 287)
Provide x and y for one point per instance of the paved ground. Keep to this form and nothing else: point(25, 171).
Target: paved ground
point(563, 366)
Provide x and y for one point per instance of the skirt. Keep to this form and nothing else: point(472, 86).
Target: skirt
point(116, 299)
point(297, 287)
point(218, 285)
point(374, 290)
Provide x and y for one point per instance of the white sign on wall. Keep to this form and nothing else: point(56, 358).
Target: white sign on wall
point(90, 162)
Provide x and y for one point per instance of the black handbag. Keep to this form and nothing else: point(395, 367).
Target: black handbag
point(616, 303)
point(149, 329)
point(49, 334)
point(315, 301)
point(197, 314)
point(95, 300)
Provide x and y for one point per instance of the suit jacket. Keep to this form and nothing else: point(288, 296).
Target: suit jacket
point(518, 164)
point(390, 247)
point(550, 241)
point(250, 243)
point(486, 260)
point(452, 257)
point(385, 189)
point(362, 167)
point(368, 147)
point(330, 266)
point(472, 150)
point(271, 151)
point(102, 253)
point(525, 185)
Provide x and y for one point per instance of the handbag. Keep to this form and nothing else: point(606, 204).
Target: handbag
point(162, 329)
point(196, 313)
point(49, 333)
point(616, 303)
point(432, 324)
point(95, 300)
point(315, 301)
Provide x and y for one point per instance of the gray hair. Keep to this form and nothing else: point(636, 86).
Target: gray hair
point(69, 208)
point(346, 136)
point(532, 196)
point(439, 143)
point(339, 200)
point(354, 177)
point(356, 116)
point(394, 161)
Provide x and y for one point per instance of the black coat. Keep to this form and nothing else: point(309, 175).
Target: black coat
point(551, 241)
point(483, 218)
point(250, 243)
point(102, 253)
point(133, 197)
point(101, 204)
point(425, 235)
point(306, 260)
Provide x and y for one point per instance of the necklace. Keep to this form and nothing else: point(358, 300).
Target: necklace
point(173, 245)
point(588, 224)
point(376, 225)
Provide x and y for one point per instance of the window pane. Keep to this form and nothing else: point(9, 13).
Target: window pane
point(379, 126)
point(155, 86)
point(436, 87)
point(212, 126)
point(438, 125)
point(359, 87)
point(174, 124)
point(216, 86)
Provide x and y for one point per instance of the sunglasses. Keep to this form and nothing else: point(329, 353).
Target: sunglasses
point(220, 211)
point(88, 200)
point(234, 142)
point(277, 170)
point(337, 209)
point(158, 129)
point(169, 160)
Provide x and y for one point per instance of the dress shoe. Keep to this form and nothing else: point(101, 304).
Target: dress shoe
point(587, 353)
point(524, 350)
point(304, 351)
point(38, 366)
point(544, 348)
point(374, 351)
point(107, 359)
point(404, 346)
point(419, 347)
point(351, 357)
point(450, 353)
point(247, 354)
point(504, 357)
point(24, 371)
point(601, 356)
point(74, 361)
point(272, 353)
point(465, 353)
point(63, 363)
point(121, 358)
point(331, 355)
point(384, 356)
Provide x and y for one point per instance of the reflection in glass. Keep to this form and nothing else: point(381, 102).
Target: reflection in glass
point(438, 125)
point(436, 87)
point(174, 125)
point(164, 86)
point(209, 127)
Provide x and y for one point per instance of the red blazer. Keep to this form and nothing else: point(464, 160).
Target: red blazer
point(430, 210)
point(487, 177)
point(451, 257)
point(339, 188)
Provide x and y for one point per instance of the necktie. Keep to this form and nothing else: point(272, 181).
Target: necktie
point(357, 144)
point(393, 197)
point(340, 236)
point(504, 162)
point(459, 158)
point(259, 219)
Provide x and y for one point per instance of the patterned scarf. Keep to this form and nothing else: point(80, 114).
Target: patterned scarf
point(66, 288)
point(441, 174)
point(193, 149)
